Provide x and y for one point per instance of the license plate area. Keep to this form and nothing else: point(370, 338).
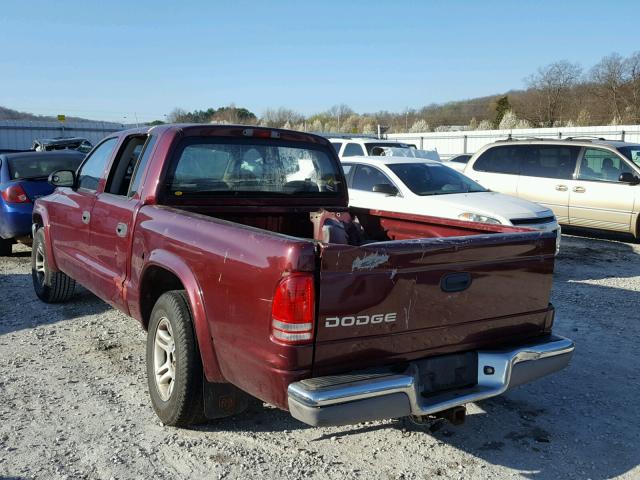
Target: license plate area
point(447, 372)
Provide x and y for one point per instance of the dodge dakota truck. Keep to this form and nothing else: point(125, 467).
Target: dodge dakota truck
point(253, 281)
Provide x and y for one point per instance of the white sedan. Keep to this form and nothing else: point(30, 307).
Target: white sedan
point(426, 187)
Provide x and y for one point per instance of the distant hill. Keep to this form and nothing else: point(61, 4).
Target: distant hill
point(10, 114)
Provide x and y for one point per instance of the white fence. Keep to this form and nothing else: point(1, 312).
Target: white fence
point(468, 141)
point(20, 134)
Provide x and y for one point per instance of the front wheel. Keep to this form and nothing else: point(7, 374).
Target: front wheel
point(50, 287)
point(5, 247)
point(174, 368)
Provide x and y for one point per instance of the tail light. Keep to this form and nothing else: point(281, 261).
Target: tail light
point(15, 194)
point(293, 310)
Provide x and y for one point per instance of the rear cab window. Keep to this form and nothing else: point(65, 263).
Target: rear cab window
point(226, 167)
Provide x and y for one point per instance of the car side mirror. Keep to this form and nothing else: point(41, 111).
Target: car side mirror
point(63, 178)
point(628, 177)
point(385, 188)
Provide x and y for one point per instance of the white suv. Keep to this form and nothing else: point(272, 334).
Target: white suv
point(361, 146)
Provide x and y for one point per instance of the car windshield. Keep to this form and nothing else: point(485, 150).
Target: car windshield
point(428, 179)
point(229, 168)
point(41, 165)
point(632, 152)
point(378, 149)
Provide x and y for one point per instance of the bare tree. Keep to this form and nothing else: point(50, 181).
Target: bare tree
point(279, 117)
point(340, 113)
point(632, 69)
point(178, 115)
point(552, 85)
point(608, 79)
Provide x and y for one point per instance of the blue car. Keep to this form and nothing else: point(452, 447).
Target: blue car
point(23, 179)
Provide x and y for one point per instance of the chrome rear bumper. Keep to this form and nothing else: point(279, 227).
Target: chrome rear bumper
point(358, 397)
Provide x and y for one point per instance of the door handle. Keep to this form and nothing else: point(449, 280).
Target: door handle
point(579, 189)
point(86, 217)
point(562, 188)
point(455, 282)
point(121, 229)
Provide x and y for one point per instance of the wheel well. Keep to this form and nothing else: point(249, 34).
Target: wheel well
point(156, 281)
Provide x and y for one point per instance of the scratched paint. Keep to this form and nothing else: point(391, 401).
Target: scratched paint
point(369, 262)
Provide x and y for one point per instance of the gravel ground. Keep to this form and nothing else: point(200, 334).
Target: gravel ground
point(73, 399)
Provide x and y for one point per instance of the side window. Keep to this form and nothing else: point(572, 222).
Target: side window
point(336, 146)
point(347, 168)
point(124, 164)
point(549, 161)
point(352, 150)
point(92, 169)
point(503, 159)
point(601, 165)
point(142, 164)
point(366, 177)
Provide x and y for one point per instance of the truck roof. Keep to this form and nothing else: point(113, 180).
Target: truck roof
point(229, 130)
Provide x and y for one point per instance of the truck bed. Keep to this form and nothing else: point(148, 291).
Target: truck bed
point(507, 300)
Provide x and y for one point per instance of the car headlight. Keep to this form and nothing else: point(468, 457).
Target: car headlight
point(476, 217)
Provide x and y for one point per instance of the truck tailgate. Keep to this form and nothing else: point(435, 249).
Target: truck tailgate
point(393, 301)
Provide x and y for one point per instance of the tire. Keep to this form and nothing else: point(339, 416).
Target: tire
point(174, 368)
point(6, 247)
point(50, 287)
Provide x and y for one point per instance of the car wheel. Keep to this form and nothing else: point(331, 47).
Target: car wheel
point(174, 368)
point(50, 287)
point(5, 247)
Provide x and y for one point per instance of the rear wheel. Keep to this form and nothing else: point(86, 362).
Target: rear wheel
point(5, 247)
point(174, 368)
point(50, 287)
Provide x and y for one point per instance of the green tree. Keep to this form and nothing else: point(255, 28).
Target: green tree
point(502, 107)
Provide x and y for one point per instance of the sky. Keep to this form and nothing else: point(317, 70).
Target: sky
point(137, 60)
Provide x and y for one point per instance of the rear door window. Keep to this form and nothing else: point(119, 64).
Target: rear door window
point(502, 159)
point(549, 161)
point(352, 150)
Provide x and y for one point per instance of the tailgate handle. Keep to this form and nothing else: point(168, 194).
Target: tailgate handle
point(455, 282)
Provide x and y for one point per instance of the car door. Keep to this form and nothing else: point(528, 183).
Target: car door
point(546, 176)
point(597, 198)
point(70, 214)
point(113, 218)
point(497, 168)
point(361, 195)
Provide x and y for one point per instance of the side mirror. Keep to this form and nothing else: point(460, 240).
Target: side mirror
point(63, 178)
point(628, 177)
point(385, 188)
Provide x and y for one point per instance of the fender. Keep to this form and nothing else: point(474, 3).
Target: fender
point(171, 262)
point(41, 217)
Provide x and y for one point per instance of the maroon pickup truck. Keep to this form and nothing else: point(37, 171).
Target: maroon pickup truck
point(234, 247)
